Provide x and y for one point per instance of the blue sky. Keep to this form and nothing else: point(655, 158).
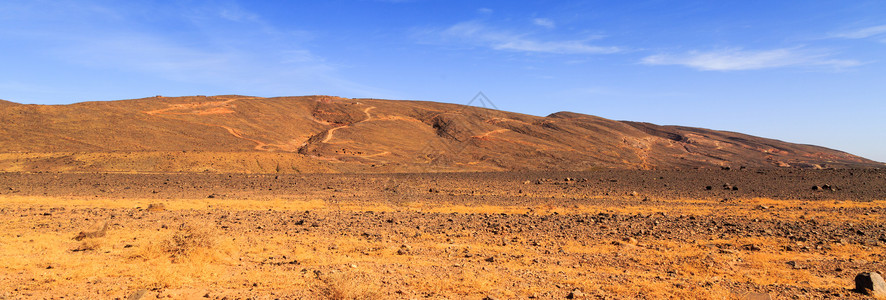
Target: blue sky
point(801, 71)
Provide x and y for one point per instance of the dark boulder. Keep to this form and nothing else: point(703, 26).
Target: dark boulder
point(870, 283)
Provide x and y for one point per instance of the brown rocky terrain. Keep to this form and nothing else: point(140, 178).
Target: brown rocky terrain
point(608, 234)
point(232, 197)
point(718, 185)
point(238, 134)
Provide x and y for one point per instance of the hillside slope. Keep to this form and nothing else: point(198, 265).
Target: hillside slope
point(330, 134)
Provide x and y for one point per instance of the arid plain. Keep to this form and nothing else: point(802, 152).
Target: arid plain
point(331, 198)
point(607, 234)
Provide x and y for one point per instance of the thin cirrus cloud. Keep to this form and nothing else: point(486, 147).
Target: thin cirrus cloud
point(546, 23)
point(476, 33)
point(737, 59)
point(862, 33)
point(256, 57)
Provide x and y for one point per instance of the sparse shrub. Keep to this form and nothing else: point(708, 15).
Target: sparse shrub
point(156, 207)
point(92, 234)
point(91, 240)
point(188, 240)
point(89, 244)
point(350, 286)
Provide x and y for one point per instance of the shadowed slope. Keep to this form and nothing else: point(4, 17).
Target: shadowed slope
point(331, 134)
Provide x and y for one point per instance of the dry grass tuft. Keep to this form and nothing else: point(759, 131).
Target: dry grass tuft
point(156, 207)
point(350, 286)
point(91, 244)
point(92, 234)
point(189, 242)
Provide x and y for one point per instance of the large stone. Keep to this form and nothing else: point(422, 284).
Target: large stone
point(137, 295)
point(870, 283)
point(576, 294)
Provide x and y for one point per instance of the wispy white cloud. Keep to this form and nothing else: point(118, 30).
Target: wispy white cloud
point(543, 22)
point(862, 33)
point(18, 86)
point(476, 33)
point(738, 59)
point(237, 14)
point(221, 46)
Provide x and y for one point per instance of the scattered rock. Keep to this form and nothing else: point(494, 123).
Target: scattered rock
point(404, 249)
point(156, 207)
point(754, 296)
point(796, 265)
point(630, 241)
point(137, 294)
point(576, 294)
point(728, 251)
point(870, 283)
point(751, 247)
point(825, 187)
point(92, 234)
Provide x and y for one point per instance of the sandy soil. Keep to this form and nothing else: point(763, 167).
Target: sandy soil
point(604, 234)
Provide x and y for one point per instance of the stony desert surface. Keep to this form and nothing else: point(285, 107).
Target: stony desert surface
point(603, 234)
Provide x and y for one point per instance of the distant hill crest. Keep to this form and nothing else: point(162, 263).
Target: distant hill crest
point(244, 134)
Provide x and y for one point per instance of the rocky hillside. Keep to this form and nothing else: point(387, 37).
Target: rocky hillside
point(329, 134)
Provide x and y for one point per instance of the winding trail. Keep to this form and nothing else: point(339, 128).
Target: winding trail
point(329, 133)
point(332, 130)
point(485, 136)
point(377, 154)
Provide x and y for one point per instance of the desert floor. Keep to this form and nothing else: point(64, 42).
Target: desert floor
point(716, 234)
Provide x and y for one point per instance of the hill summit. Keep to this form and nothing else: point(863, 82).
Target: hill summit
point(309, 134)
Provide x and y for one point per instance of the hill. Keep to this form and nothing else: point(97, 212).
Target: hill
point(329, 134)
